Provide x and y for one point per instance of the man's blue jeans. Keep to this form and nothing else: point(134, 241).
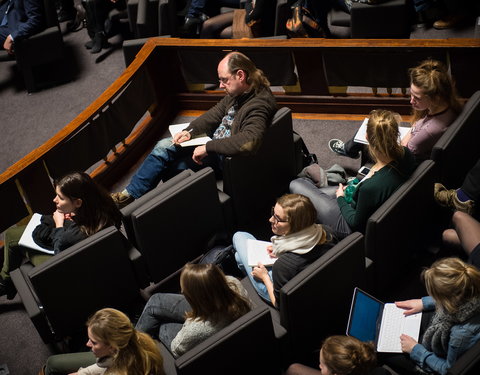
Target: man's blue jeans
point(163, 316)
point(165, 161)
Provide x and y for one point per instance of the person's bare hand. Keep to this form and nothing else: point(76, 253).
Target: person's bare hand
point(408, 343)
point(58, 218)
point(260, 272)
point(411, 306)
point(340, 191)
point(8, 45)
point(182, 136)
point(270, 251)
point(199, 154)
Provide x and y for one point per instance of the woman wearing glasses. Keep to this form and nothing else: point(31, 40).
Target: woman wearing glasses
point(297, 242)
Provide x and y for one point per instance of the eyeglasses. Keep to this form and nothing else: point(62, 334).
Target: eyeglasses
point(224, 80)
point(276, 218)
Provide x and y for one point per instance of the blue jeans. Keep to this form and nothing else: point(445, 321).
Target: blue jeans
point(240, 245)
point(163, 316)
point(165, 161)
point(325, 202)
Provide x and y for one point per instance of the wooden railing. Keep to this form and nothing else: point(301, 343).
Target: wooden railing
point(135, 110)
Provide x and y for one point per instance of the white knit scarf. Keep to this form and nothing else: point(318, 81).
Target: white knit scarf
point(300, 242)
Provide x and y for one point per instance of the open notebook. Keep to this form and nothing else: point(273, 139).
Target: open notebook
point(382, 323)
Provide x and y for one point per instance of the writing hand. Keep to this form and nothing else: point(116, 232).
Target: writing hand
point(182, 136)
point(199, 154)
point(270, 251)
point(411, 306)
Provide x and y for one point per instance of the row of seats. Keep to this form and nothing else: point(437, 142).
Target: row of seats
point(109, 270)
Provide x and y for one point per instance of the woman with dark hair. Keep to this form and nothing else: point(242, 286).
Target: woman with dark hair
point(82, 208)
point(346, 213)
point(453, 289)
point(209, 302)
point(117, 348)
point(341, 355)
point(435, 105)
point(297, 242)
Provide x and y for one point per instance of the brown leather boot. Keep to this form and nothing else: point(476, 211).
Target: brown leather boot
point(448, 198)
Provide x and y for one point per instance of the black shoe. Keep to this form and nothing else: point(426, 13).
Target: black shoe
point(192, 26)
point(7, 288)
point(79, 22)
point(66, 14)
point(99, 41)
point(89, 44)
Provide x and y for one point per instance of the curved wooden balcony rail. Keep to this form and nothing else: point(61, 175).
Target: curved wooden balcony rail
point(121, 125)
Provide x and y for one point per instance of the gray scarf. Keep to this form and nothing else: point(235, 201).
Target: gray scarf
point(437, 335)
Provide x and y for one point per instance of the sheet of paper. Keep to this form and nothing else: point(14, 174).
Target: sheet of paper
point(257, 252)
point(27, 239)
point(177, 128)
point(360, 137)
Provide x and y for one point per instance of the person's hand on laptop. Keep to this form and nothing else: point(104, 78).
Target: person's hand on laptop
point(407, 342)
point(411, 306)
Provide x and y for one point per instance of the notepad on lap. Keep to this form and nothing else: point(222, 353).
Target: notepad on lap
point(177, 128)
point(27, 238)
point(382, 323)
point(257, 252)
point(361, 135)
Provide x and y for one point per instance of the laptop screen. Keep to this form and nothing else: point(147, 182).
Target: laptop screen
point(364, 313)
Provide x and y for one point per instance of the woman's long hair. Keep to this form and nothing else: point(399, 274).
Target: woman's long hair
point(135, 352)
point(451, 282)
point(383, 136)
point(97, 211)
point(346, 355)
point(210, 294)
point(432, 77)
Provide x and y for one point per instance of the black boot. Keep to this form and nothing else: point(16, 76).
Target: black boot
point(7, 288)
point(99, 41)
point(79, 22)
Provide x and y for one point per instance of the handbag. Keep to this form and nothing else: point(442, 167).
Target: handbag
point(302, 24)
point(223, 257)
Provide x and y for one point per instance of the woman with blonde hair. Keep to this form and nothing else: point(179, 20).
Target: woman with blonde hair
point(297, 242)
point(453, 288)
point(435, 105)
point(346, 213)
point(209, 302)
point(341, 355)
point(119, 349)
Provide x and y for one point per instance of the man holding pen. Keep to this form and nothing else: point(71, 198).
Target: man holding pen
point(236, 125)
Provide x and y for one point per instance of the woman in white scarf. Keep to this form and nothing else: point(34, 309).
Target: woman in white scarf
point(297, 242)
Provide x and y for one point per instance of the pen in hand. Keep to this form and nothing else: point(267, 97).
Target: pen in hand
point(181, 137)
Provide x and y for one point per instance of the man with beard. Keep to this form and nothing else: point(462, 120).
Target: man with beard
point(236, 125)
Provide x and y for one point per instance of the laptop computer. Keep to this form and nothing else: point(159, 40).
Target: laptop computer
point(372, 320)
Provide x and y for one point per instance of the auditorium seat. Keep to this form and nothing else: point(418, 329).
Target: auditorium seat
point(457, 150)
point(399, 227)
point(254, 182)
point(60, 294)
point(247, 346)
point(468, 363)
point(177, 223)
point(316, 302)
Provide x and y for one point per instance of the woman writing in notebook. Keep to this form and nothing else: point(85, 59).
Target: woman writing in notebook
point(435, 105)
point(341, 355)
point(82, 209)
point(346, 211)
point(297, 242)
point(209, 302)
point(453, 288)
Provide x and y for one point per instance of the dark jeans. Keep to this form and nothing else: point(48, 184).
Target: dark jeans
point(163, 316)
point(210, 7)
